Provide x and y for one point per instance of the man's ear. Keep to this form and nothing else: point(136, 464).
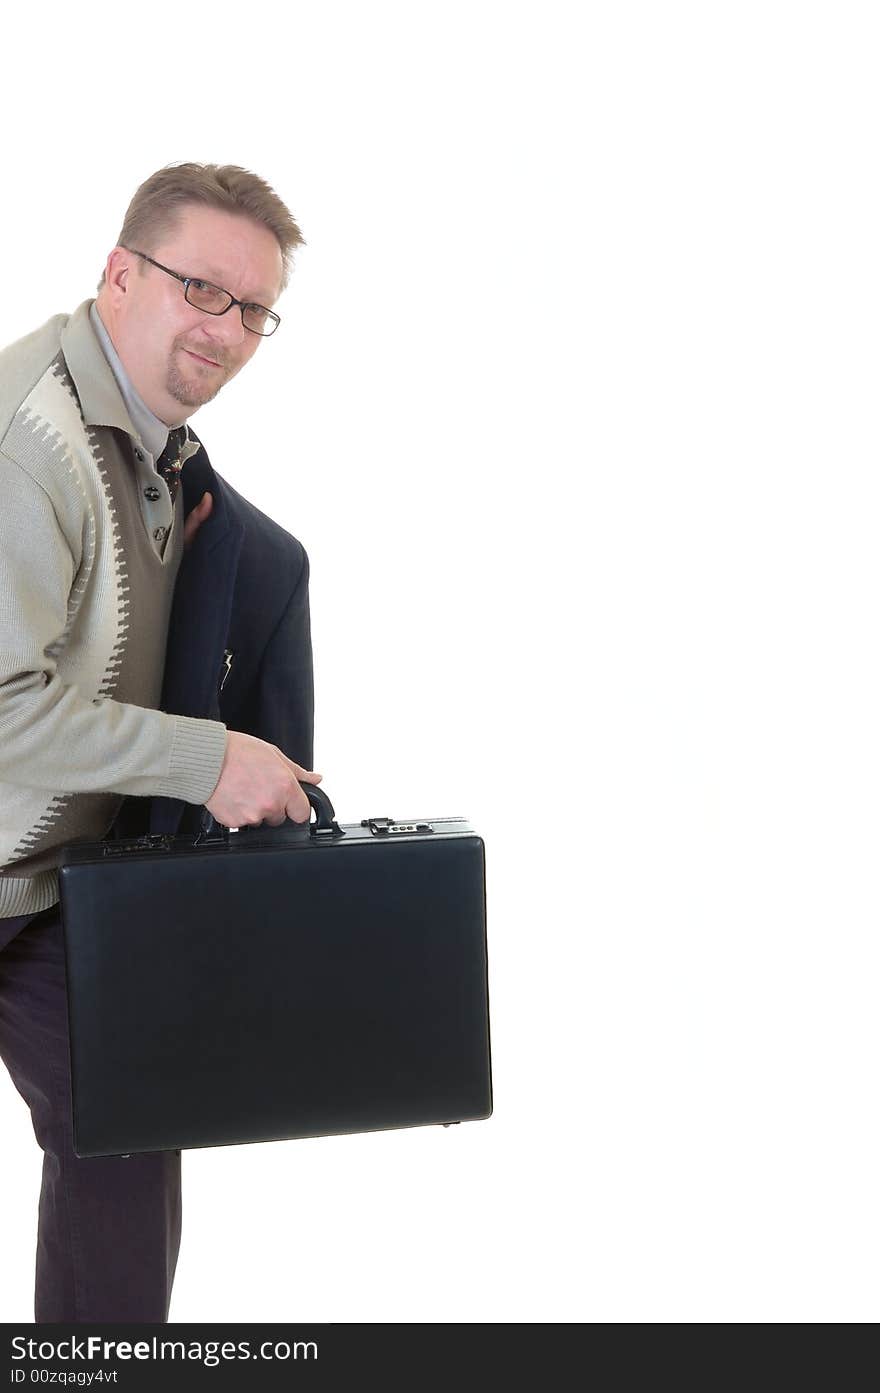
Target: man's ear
point(117, 270)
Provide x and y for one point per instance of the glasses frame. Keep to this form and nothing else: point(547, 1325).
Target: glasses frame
point(243, 304)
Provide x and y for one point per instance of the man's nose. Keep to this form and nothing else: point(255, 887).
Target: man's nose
point(226, 329)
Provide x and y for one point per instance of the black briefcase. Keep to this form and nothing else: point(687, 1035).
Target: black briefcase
point(268, 983)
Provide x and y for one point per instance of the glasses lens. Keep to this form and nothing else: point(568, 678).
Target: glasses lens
point(208, 297)
point(259, 320)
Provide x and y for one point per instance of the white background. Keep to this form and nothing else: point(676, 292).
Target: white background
point(574, 409)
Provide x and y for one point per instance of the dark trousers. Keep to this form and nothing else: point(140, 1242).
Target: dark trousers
point(108, 1231)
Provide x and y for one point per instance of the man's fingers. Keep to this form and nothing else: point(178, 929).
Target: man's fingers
point(196, 517)
point(307, 776)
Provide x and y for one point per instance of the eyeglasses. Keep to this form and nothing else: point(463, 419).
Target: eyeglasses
point(214, 300)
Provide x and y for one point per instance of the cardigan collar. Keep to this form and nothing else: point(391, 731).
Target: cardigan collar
point(101, 398)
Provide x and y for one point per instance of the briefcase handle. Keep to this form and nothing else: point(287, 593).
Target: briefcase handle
point(325, 824)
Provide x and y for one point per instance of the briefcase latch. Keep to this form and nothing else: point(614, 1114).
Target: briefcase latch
point(387, 827)
point(151, 841)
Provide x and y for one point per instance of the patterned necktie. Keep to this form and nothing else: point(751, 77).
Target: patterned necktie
point(169, 463)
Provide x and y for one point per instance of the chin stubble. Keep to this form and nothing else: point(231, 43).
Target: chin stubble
point(187, 392)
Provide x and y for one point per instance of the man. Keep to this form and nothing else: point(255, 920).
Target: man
point(155, 656)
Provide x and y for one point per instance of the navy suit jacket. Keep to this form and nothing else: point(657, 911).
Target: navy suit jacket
point(242, 590)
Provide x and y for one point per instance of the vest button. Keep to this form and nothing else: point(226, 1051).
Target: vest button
point(152, 493)
point(160, 533)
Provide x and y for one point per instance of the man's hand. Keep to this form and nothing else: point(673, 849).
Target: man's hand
point(259, 783)
point(201, 511)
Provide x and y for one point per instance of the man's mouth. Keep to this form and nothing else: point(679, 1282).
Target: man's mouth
point(199, 359)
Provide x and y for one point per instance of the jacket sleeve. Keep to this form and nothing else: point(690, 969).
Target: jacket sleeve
point(52, 736)
point(281, 708)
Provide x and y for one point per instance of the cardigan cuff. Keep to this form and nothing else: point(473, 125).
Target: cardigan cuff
point(197, 754)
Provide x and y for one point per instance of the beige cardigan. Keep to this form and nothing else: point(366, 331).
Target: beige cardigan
point(84, 607)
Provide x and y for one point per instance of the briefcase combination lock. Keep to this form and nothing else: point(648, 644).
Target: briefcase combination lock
point(386, 827)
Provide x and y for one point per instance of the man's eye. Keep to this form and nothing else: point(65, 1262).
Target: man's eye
point(199, 285)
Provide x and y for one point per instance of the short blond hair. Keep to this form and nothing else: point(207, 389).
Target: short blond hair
point(156, 207)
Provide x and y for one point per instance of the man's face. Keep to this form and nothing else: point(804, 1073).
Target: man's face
point(178, 357)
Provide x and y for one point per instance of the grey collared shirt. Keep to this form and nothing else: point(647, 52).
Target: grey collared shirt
point(150, 439)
